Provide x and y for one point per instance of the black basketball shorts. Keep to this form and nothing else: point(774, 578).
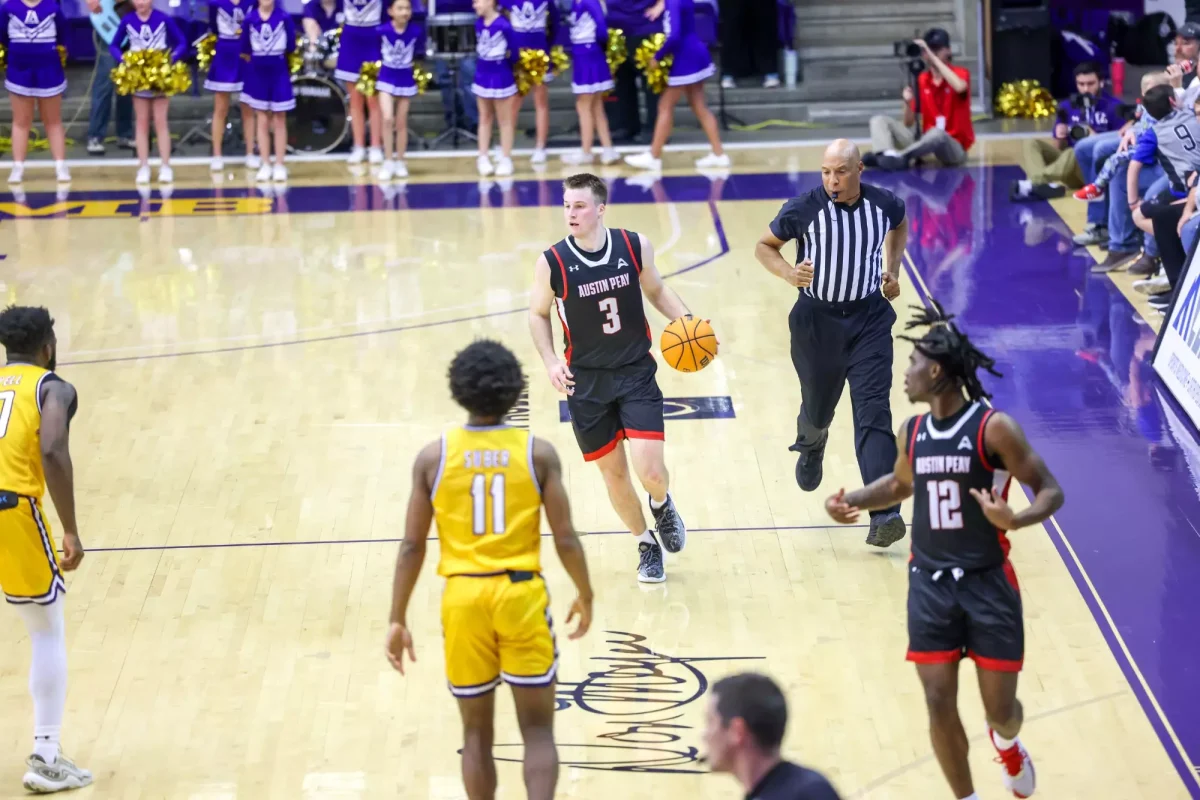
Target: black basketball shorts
point(977, 616)
point(609, 405)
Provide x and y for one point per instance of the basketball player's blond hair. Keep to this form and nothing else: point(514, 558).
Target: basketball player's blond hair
point(586, 180)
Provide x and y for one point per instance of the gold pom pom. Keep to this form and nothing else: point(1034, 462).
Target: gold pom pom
point(1028, 99)
point(139, 71)
point(367, 77)
point(176, 79)
point(656, 72)
point(422, 76)
point(532, 66)
point(560, 62)
point(617, 51)
point(295, 61)
point(62, 55)
point(206, 49)
point(3, 57)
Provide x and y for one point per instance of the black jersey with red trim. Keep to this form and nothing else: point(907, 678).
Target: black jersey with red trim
point(599, 299)
point(948, 459)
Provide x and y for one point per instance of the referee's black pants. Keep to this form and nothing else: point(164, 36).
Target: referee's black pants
point(833, 343)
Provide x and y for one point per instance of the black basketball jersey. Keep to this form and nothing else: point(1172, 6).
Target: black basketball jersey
point(599, 299)
point(948, 458)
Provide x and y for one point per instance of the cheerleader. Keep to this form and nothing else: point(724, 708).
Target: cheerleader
point(268, 35)
point(401, 41)
point(359, 44)
point(534, 23)
point(225, 77)
point(591, 78)
point(147, 28)
point(689, 69)
point(31, 31)
point(494, 85)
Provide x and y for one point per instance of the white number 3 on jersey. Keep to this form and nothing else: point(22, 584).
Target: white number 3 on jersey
point(609, 306)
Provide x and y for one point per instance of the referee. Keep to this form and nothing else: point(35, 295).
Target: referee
point(850, 238)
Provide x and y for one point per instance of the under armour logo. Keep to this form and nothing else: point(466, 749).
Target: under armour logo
point(573, 268)
point(964, 443)
point(922, 437)
point(622, 262)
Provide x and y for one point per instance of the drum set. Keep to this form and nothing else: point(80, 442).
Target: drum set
point(320, 123)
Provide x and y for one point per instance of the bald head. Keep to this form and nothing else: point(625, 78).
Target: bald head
point(841, 171)
point(843, 150)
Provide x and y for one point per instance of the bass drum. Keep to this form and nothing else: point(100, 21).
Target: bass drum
point(320, 122)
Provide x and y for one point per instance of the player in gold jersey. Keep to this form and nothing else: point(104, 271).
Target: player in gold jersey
point(485, 484)
point(36, 407)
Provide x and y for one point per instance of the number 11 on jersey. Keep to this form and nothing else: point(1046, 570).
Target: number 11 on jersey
point(479, 493)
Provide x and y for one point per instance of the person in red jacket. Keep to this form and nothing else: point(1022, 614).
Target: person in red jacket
point(944, 101)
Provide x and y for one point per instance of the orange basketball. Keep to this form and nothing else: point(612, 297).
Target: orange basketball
point(688, 344)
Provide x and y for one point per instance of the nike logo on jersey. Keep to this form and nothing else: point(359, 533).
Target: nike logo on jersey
point(604, 285)
point(965, 443)
point(933, 465)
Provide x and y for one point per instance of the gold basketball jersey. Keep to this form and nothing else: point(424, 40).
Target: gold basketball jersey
point(20, 429)
point(487, 502)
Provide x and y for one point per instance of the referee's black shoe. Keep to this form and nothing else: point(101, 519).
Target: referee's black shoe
point(886, 529)
point(810, 466)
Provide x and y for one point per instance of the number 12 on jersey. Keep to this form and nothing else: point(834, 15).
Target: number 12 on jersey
point(479, 498)
point(945, 505)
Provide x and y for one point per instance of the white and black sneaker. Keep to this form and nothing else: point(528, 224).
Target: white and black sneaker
point(650, 563)
point(669, 526)
point(60, 775)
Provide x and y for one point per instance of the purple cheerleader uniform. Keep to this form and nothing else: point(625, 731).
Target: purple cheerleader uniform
point(225, 20)
point(398, 51)
point(589, 40)
point(268, 79)
point(157, 32)
point(534, 24)
point(32, 34)
point(494, 68)
point(692, 63)
point(360, 39)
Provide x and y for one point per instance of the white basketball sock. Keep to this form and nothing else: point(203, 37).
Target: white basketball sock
point(656, 505)
point(47, 674)
point(971, 796)
point(1001, 742)
point(647, 537)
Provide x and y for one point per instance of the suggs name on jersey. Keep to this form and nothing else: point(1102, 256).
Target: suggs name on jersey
point(604, 285)
point(485, 459)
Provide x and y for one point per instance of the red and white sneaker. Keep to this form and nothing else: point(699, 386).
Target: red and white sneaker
point(1090, 192)
point(1019, 775)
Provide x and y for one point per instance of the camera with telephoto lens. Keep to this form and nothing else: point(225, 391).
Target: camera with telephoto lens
point(911, 52)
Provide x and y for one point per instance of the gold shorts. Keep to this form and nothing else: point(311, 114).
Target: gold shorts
point(497, 627)
point(29, 570)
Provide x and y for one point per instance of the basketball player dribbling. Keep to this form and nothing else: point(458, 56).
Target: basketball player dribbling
point(596, 277)
point(963, 597)
point(485, 484)
point(36, 407)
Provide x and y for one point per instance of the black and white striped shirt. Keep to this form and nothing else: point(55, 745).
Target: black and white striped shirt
point(845, 242)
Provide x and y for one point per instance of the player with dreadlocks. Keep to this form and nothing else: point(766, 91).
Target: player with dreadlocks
point(963, 598)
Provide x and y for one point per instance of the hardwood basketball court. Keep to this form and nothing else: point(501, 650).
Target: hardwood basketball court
point(253, 387)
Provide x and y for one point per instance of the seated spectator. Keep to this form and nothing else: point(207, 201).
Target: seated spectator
point(749, 42)
point(945, 106)
point(1051, 167)
point(1172, 141)
point(1111, 162)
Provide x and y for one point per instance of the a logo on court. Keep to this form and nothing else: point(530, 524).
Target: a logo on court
point(679, 408)
point(640, 694)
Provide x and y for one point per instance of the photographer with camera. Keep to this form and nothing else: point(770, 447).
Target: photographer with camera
point(1051, 167)
point(940, 91)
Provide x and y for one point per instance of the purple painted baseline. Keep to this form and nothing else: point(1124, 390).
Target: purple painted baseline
point(1068, 343)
